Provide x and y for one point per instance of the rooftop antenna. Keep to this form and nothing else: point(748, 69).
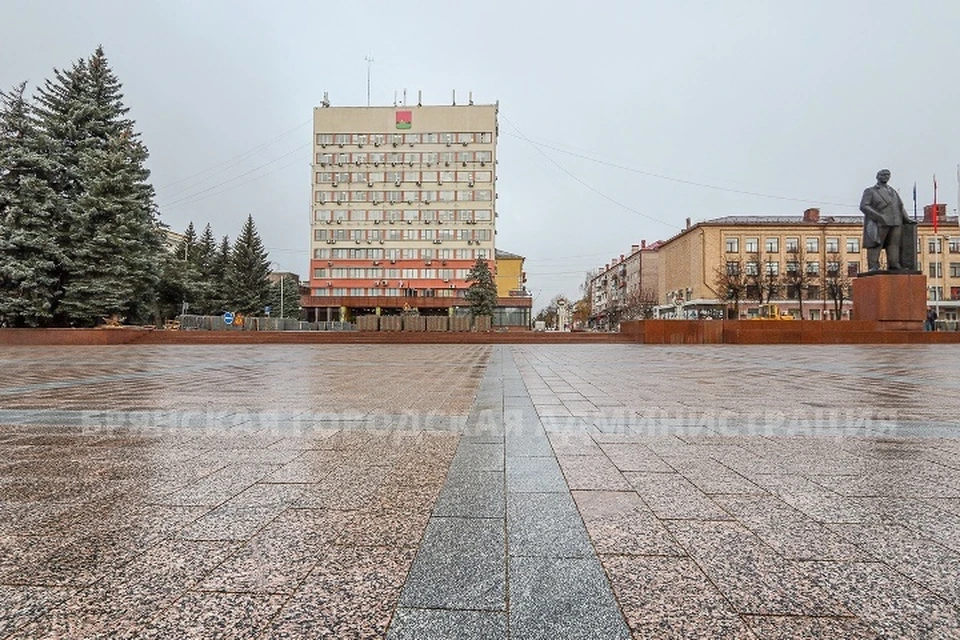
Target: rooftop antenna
point(404, 97)
point(471, 98)
point(454, 97)
point(394, 97)
point(369, 60)
point(326, 99)
point(420, 104)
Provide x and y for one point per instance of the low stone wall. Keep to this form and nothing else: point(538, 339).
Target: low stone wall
point(414, 323)
point(391, 323)
point(438, 323)
point(368, 323)
point(776, 332)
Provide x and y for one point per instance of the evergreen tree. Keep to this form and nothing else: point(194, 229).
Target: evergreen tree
point(109, 233)
point(482, 293)
point(29, 210)
point(220, 279)
point(286, 299)
point(189, 273)
point(248, 282)
point(206, 254)
point(185, 249)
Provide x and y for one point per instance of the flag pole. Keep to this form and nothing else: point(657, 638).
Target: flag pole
point(915, 193)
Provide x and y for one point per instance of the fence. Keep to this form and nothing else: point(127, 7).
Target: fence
point(216, 323)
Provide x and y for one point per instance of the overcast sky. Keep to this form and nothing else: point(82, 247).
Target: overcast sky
point(618, 120)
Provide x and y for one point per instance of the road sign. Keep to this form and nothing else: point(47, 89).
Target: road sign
point(228, 318)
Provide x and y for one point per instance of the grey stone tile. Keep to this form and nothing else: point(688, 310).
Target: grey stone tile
point(461, 565)
point(447, 624)
point(566, 598)
point(478, 456)
point(528, 445)
point(545, 525)
point(472, 493)
point(534, 474)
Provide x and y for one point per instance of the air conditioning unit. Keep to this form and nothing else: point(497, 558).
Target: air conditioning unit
point(427, 221)
point(464, 163)
point(393, 221)
point(439, 221)
point(375, 221)
point(393, 164)
point(409, 221)
point(333, 242)
point(323, 164)
point(329, 284)
point(357, 163)
point(483, 163)
point(340, 145)
point(436, 242)
point(357, 241)
point(381, 242)
point(336, 184)
point(376, 164)
point(453, 286)
point(369, 241)
point(369, 184)
point(410, 163)
point(340, 163)
point(446, 163)
point(323, 146)
point(339, 221)
point(443, 262)
point(428, 262)
point(393, 262)
point(395, 143)
point(376, 144)
point(446, 279)
point(470, 184)
point(419, 184)
point(448, 144)
point(464, 144)
point(329, 263)
point(376, 263)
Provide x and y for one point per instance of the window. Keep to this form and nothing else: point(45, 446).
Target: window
point(833, 245)
point(751, 268)
point(772, 267)
point(936, 269)
point(791, 245)
point(954, 246)
point(813, 245)
point(935, 245)
point(733, 268)
point(732, 245)
point(853, 245)
point(833, 268)
point(792, 267)
point(751, 245)
point(934, 293)
point(955, 269)
point(853, 268)
point(772, 245)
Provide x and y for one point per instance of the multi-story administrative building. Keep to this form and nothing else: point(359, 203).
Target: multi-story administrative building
point(781, 245)
point(404, 202)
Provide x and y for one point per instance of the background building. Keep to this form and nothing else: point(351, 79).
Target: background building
point(514, 302)
point(404, 202)
point(806, 259)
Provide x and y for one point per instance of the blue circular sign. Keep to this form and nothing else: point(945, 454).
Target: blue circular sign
point(228, 318)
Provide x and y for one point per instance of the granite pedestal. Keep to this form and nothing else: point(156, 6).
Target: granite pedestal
point(897, 301)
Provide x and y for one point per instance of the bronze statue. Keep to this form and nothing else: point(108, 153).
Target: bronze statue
point(884, 217)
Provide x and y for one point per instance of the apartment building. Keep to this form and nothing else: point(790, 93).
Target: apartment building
point(403, 203)
point(514, 302)
point(782, 245)
point(625, 288)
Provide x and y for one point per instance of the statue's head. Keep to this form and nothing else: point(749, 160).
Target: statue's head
point(883, 176)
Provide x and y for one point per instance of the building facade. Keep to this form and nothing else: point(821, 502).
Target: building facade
point(625, 288)
point(514, 302)
point(826, 249)
point(403, 203)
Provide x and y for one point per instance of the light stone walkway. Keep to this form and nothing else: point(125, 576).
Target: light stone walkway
point(405, 491)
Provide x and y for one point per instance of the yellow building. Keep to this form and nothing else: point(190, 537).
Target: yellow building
point(514, 303)
point(819, 246)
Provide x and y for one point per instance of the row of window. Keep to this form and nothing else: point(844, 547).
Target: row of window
point(394, 197)
point(399, 158)
point(403, 215)
point(472, 234)
point(379, 139)
point(812, 245)
point(390, 293)
point(772, 267)
point(419, 178)
point(936, 269)
point(374, 273)
point(936, 293)
point(364, 253)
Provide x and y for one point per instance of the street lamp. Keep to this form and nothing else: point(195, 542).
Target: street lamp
point(280, 273)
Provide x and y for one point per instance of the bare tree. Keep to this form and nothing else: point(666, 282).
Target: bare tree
point(730, 279)
point(639, 304)
point(836, 283)
point(762, 279)
point(796, 278)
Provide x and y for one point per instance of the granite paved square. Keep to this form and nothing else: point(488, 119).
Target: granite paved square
point(445, 491)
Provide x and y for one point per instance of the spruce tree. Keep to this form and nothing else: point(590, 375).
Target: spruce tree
point(220, 279)
point(109, 233)
point(29, 210)
point(206, 254)
point(482, 293)
point(189, 274)
point(249, 267)
point(285, 302)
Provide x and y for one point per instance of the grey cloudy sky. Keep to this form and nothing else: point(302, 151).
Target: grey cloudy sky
point(613, 115)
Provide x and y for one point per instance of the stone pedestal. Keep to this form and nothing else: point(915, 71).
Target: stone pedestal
point(898, 301)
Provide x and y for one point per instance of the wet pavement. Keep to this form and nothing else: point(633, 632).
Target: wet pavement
point(448, 491)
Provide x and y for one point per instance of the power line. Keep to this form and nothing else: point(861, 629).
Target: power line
point(588, 186)
point(193, 197)
point(661, 176)
point(232, 161)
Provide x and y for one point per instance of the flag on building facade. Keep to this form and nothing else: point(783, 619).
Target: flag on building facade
point(404, 119)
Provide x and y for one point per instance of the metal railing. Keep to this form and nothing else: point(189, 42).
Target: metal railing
point(251, 323)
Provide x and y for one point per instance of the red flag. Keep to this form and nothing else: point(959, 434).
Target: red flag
point(936, 210)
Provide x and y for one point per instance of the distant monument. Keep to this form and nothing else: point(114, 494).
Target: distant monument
point(894, 299)
point(886, 226)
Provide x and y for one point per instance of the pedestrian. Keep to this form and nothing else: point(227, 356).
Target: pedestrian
point(931, 324)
